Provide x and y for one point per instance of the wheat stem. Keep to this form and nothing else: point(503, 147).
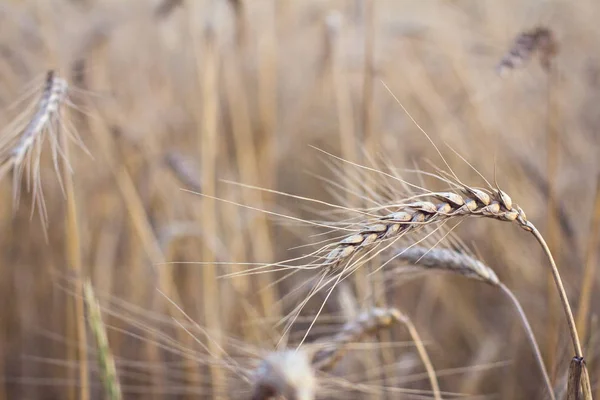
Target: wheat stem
point(416, 338)
point(367, 323)
point(591, 257)
point(561, 290)
point(531, 337)
point(567, 308)
point(73, 249)
point(105, 358)
point(585, 383)
point(463, 264)
point(208, 78)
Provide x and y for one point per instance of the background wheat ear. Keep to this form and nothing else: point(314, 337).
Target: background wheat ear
point(329, 350)
point(540, 40)
point(332, 348)
point(22, 144)
point(453, 261)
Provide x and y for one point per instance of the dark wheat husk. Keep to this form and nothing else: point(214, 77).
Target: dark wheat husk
point(540, 40)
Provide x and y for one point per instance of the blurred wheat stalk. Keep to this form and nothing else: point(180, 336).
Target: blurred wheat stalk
point(105, 357)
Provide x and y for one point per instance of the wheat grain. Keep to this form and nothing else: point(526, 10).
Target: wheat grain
point(411, 216)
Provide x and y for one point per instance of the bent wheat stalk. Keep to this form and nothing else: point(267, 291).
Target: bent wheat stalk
point(369, 323)
point(528, 226)
point(456, 262)
point(366, 324)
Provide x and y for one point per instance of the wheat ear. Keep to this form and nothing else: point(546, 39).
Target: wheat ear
point(411, 216)
point(540, 40)
point(53, 94)
point(416, 338)
point(285, 373)
point(105, 358)
point(21, 148)
point(366, 324)
point(448, 260)
point(456, 262)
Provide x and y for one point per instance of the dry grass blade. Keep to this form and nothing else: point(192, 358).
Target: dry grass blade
point(560, 287)
point(586, 385)
point(105, 358)
point(587, 282)
point(414, 334)
point(288, 374)
point(74, 261)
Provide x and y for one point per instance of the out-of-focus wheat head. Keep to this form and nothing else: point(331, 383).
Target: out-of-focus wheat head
point(22, 141)
point(286, 374)
point(540, 40)
point(367, 323)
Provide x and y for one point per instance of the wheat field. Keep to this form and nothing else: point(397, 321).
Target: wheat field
point(300, 199)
